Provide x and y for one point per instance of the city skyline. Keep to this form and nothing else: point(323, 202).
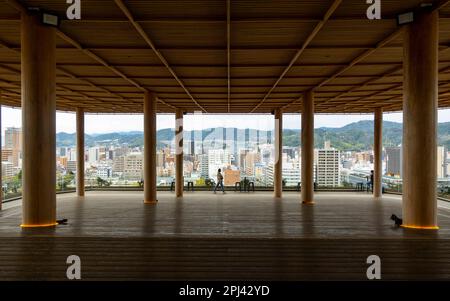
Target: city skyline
point(100, 124)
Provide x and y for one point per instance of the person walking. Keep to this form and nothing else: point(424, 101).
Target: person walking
point(370, 181)
point(219, 181)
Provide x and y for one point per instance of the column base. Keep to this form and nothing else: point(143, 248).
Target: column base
point(308, 203)
point(151, 202)
point(420, 227)
point(39, 226)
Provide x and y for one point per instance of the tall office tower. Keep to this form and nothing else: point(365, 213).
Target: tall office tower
point(192, 143)
point(235, 141)
point(447, 164)
point(203, 165)
point(13, 142)
point(328, 167)
point(251, 159)
point(242, 155)
point(13, 138)
point(269, 137)
point(224, 138)
point(62, 151)
point(258, 135)
point(247, 138)
point(394, 161)
point(441, 162)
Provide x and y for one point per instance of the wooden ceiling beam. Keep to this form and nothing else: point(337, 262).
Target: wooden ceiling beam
point(226, 65)
point(18, 72)
point(397, 86)
point(382, 76)
point(147, 39)
point(236, 48)
point(355, 61)
point(20, 7)
point(363, 56)
point(367, 53)
point(308, 40)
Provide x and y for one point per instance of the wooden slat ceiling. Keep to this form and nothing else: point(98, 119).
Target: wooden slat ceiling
point(219, 56)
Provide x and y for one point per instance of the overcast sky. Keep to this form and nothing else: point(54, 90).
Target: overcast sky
point(96, 124)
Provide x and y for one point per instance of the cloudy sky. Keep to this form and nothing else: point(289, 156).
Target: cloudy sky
point(95, 124)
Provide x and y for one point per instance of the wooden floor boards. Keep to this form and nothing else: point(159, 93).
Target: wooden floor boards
point(235, 236)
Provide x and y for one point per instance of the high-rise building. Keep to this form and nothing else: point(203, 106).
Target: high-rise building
point(13, 138)
point(13, 142)
point(8, 170)
point(203, 165)
point(7, 155)
point(94, 154)
point(250, 160)
point(291, 173)
point(328, 167)
point(242, 155)
point(133, 166)
point(441, 162)
point(217, 158)
point(394, 161)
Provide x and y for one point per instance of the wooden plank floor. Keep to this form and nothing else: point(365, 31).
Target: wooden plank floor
point(235, 236)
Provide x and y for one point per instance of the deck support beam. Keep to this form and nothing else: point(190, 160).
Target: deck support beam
point(377, 153)
point(179, 179)
point(420, 105)
point(80, 152)
point(150, 148)
point(278, 165)
point(38, 123)
point(308, 148)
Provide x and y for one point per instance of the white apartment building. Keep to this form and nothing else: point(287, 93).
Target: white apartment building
point(104, 171)
point(8, 169)
point(328, 167)
point(93, 154)
point(291, 173)
point(218, 158)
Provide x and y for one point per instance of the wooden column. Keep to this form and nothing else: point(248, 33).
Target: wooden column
point(150, 148)
point(1, 165)
point(308, 148)
point(80, 152)
point(420, 122)
point(38, 123)
point(179, 178)
point(278, 166)
point(377, 153)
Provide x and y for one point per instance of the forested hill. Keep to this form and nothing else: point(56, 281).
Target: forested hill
point(354, 136)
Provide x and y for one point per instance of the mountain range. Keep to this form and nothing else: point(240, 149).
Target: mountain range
point(352, 137)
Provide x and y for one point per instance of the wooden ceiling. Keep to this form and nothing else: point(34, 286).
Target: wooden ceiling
point(219, 56)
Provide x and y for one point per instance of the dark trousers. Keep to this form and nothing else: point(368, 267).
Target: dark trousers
point(220, 183)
